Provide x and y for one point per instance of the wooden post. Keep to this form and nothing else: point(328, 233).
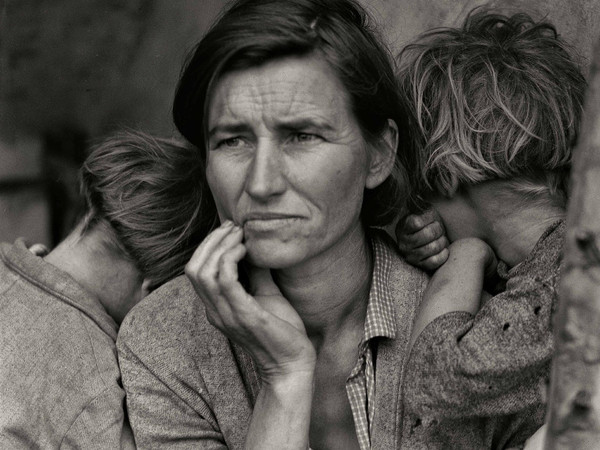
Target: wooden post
point(574, 401)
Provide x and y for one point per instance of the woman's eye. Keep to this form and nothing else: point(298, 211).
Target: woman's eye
point(304, 137)
point(233, 142)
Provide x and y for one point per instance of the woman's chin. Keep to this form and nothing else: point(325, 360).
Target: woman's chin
point(268, 256)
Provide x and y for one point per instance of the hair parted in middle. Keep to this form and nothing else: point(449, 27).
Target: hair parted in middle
point(253, 32)
point(498, 99)
point(150, 196)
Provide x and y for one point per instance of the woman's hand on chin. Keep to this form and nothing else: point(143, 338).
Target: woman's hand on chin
point(264, 323)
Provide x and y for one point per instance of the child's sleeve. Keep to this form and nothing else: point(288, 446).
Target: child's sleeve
point(495, 362)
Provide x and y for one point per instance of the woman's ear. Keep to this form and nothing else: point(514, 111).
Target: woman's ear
point(383, 158)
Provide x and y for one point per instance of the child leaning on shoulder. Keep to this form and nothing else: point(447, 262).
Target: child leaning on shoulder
point(497, 104)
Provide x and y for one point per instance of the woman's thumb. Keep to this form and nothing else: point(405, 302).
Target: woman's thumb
point(261, 282)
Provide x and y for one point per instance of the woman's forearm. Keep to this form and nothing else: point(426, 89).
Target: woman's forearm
point(281, 417)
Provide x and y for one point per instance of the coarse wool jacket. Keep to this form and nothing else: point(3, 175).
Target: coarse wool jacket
point(59, 376)
point(485, 374)
point(188, 386)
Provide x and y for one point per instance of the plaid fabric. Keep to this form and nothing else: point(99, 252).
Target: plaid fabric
point(379, 322)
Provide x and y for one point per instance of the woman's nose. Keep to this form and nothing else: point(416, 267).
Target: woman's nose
point(265, 177)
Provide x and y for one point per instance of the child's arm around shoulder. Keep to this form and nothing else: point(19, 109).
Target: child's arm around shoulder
point(458, 284)
point(468, 360)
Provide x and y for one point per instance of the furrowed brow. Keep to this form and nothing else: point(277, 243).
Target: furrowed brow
point(227, 129)
point(304, 124)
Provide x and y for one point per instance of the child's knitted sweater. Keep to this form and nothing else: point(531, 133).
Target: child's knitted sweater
point(477, 381)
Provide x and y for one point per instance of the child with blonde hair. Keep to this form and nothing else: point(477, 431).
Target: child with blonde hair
point(496, 107)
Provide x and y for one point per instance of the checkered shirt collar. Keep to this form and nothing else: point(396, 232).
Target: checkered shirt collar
point(380, 319)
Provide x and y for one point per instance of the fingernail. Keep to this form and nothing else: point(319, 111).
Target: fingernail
point(227, 223)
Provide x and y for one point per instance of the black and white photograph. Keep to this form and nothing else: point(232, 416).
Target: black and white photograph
point(300, 224)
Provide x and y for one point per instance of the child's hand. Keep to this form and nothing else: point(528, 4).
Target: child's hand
point(39, 250)
point(422, 240)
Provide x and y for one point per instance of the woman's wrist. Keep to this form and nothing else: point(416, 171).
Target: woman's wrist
point(290, 385)
point(296, 374)
point(281, 415)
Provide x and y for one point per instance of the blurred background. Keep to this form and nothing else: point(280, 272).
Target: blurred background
point(72, 71)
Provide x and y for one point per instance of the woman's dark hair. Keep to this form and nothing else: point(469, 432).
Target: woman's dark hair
point(253, 32)
point(150, 196)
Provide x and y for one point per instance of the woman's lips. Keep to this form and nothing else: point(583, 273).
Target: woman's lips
point(269, 222)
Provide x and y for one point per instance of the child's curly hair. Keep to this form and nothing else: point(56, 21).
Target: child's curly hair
point(499, 98)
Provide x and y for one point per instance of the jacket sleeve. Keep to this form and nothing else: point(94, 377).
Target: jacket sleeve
point(493, 363)
point(159, 417)
point(101, 424)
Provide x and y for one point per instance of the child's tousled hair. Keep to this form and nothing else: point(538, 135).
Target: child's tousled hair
point(499, 98)
point(149, 194)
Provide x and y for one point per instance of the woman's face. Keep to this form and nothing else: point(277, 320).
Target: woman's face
point(287, 160)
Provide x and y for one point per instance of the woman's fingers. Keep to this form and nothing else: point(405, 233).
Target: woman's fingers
point(208, 245)
point(211, 262)
point(261, 282)
point(203, 271)
point(227, 278)
point(225, 299)
point(264, 323)
point(264, 306)
point(260, 322)
point(202, 268)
